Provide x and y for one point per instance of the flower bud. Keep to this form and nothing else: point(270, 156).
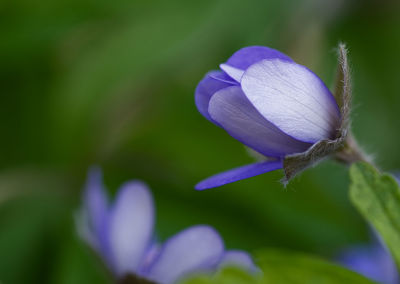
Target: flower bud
point(276, 107)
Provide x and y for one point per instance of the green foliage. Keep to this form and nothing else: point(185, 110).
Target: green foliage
point(377, 197)
point(37, 238)
point(228, 275)
point(112, 83)
point(282, 267)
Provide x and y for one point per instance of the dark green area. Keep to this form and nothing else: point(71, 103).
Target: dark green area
point(111, 83)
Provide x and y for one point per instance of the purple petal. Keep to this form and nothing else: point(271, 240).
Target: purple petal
point(84, 230)
point(152, 253)
point(239, 174)
point(238, 258)
point(234, 73)
point(373, 262)
point(206, 88)
point(293, 98)
point(223, 77)
point(231, 109)
point(131, 226)
point(96, 214)
point(247, 56)
point(95, 199)
point(195, 249)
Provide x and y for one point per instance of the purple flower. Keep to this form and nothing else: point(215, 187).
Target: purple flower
point(372, 261)
point(269, 103)
point(122, 234)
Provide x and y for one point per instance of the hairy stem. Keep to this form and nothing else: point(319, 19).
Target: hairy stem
point(351, 152)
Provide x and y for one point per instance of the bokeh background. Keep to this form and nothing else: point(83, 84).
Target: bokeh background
point(111, 83)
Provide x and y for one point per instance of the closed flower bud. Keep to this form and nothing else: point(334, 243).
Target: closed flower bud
point(278, 108)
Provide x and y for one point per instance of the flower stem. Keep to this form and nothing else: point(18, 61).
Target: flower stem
point(351, 152)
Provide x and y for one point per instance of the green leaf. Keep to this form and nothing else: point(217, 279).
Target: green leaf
point(292, 268)
point(228, 275)
point(377, 197)
point(285, 267)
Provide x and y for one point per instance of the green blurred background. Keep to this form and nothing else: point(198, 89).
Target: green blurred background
point(111, 83)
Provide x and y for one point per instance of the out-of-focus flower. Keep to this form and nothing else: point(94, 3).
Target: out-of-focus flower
point(276, 107)
point(122, 234)
point(372, 261)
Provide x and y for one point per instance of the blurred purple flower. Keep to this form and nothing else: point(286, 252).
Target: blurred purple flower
point(269, 103)
point(373, 261)
point(122, 234)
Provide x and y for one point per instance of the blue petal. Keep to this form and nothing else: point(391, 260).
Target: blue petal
point(96, 213)
point(223, 77)
point(238, 258)
point(131, 227)
point(193, 250)
point(239, 174)
point(293, 98)
point(95, 199)
point(233, 72)
point(247, 56)
point(373, 262)
point(231, 110)
point(207, 87)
